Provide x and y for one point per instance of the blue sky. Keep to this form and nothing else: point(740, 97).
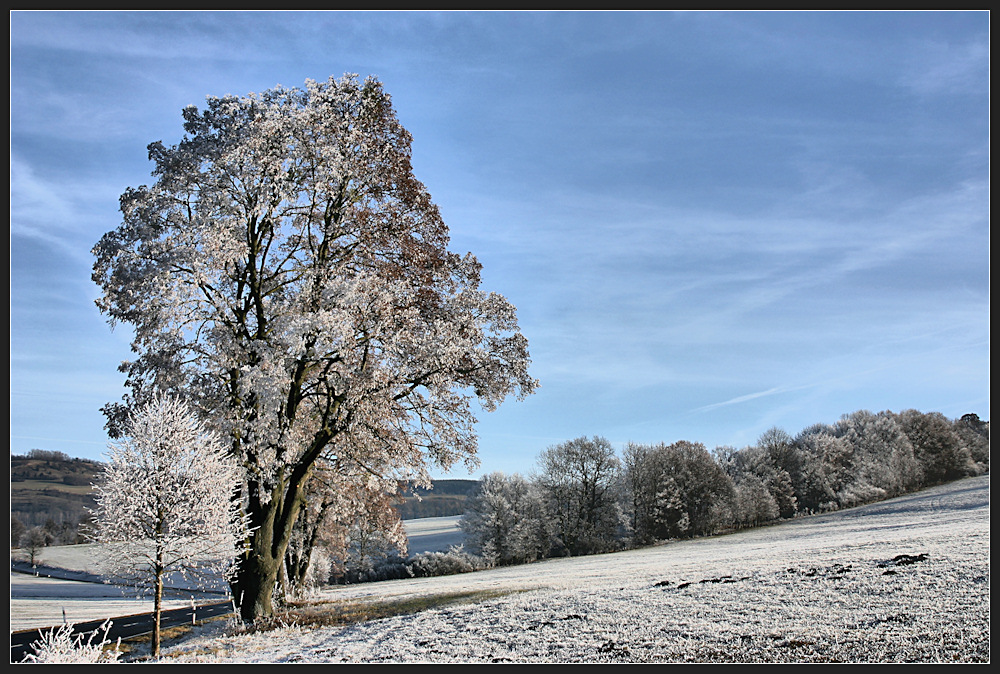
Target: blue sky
point(711, 222)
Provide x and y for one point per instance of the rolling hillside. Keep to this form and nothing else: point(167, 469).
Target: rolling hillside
point(900, 581)
point(53, 486)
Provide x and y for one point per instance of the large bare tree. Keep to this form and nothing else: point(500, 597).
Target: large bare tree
point(289, 275)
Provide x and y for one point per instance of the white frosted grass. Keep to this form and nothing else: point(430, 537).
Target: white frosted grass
point(811, 590)
point(38, 602)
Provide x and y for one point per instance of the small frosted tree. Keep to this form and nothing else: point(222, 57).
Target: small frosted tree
point(504, 521)
point(166, 502)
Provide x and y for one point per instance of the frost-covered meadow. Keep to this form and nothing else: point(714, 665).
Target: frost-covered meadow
point(905, 580)
point(38, 602)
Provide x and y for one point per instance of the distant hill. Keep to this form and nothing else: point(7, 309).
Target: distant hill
point(446, 498)
point(46, 485)
point(52, 486)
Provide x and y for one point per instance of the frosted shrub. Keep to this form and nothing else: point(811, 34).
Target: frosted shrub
point(392, 567)
point(424, 565)
point(60, 646)
point(456, 560)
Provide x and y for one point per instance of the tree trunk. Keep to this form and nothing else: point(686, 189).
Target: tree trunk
point(257, 576)
point(271, 519)
point(154, 639)
point(260, 567)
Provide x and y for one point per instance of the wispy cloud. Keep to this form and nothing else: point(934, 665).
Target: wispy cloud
point(750, 396)
point(708, 221)
point(941, 68)
point(56, 215)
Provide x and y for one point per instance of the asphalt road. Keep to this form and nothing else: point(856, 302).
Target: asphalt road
point(124, 627)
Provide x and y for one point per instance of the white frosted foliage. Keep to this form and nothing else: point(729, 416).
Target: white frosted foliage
point(289, 275)
point(166, 500)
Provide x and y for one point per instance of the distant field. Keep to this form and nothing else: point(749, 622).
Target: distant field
point(39, 485)
point(432, 534)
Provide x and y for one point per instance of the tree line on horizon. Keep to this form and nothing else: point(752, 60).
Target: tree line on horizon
point(584, 498)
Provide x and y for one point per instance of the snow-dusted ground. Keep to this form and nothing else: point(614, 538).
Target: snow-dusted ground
point(829, 588)
point(38, 601)
point(43, 602)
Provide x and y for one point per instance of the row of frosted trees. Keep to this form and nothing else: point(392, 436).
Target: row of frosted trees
point(585, 498)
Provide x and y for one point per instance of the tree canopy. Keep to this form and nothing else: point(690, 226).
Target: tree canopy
point(289, 275)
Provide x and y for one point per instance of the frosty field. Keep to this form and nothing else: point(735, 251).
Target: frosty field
point(905, 580)
point(43, 602)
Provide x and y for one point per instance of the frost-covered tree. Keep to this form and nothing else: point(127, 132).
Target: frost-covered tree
point(682, 491)
point(165, 501)
point(762, 462)
point(781, 451)
point(504, 521)
point(291, 277)
point(826, 468)
point(754, 503)
point(883, 462)
point(757, 482)
point(653, 500)
point(939, 449)
point(975, 435)
point(578, 481)
point(785, 468)
point(640, 481)
point(347, 523)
